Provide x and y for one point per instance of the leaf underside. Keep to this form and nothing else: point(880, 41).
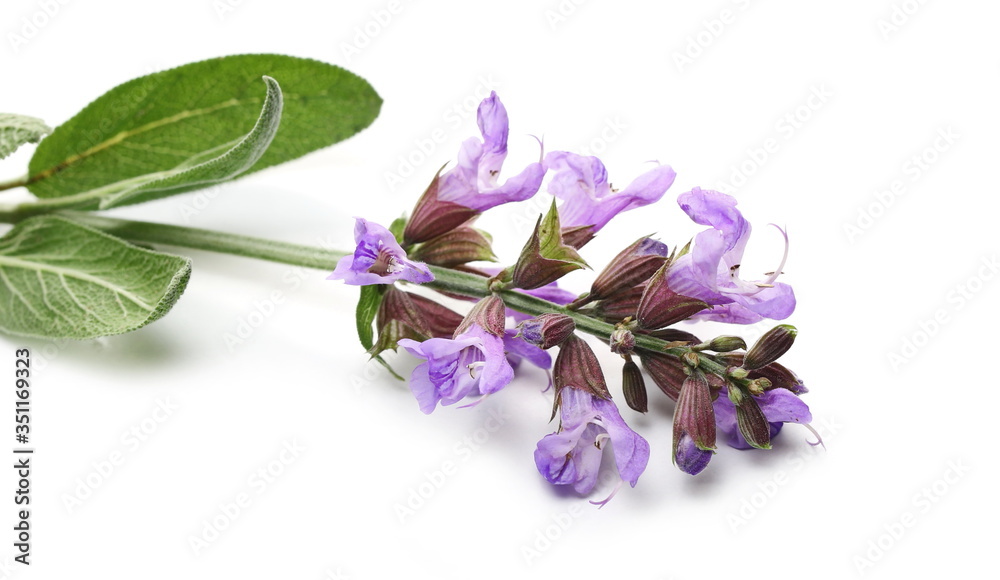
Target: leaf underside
point(17, 130)
point(59, 279)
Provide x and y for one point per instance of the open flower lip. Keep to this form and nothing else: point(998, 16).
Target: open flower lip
point(572, 455)
point(378, 259)
point(474, 181)
point(711, 270)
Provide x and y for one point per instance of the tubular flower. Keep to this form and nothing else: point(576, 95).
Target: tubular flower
point(378, 259)
point(473, 362)
point(473, 182)
point(588, 198)
point(710, 271)
point(572, 455)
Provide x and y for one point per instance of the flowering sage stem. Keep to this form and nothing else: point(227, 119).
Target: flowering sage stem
point(445, 279)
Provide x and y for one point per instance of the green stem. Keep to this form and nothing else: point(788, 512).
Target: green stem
point(11, 184)
point(445, 280)
point(212, 241)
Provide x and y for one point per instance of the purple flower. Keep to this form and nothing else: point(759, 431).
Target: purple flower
point(378, 259)
point(572, 455)
point(689, 457)
point(710, 272)
point(518, 350)
point(588, 199)
point(779, 406)
point(473, 183)
point(474, 362)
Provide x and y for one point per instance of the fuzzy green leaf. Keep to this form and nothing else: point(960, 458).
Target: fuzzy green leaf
point(234, 161)
point(16, 130)
point(184, 116)
point(368, 303)
point(59, 279)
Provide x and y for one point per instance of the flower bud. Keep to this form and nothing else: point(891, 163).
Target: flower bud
point(688, 458)
point(433, 217)
point(694, 417)
point(780, 378)
point(489, 313)
point(692, 359)
point(770, 347)
point(727, 344)
point(454, 248)
point(545, 258)
point(577, 236)
point(618, 307)
point(666, 370)
point(750, 419)
point(633, 265)
point(660, 306)
point(406, 315)
point(546, 330)
point(622, 341)
point(674, 335)
point(577, 367)
point(634, 387)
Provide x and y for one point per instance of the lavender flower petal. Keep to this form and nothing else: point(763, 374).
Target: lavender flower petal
point(378, 259)
point(473, 182)
point(588, 199)
point(689, 458)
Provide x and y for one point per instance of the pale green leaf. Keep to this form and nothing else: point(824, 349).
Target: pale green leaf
point(237, 159)
point(59, 279)
point(170, 119)
point(16, 130)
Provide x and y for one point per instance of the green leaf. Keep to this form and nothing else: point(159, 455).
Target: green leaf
point(59, 279)
point(368, 303)
point(397, 227)
point(177, 118)
point(224, 167)
point(16, 130)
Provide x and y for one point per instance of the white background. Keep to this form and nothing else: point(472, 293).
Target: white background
point(909, 471)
